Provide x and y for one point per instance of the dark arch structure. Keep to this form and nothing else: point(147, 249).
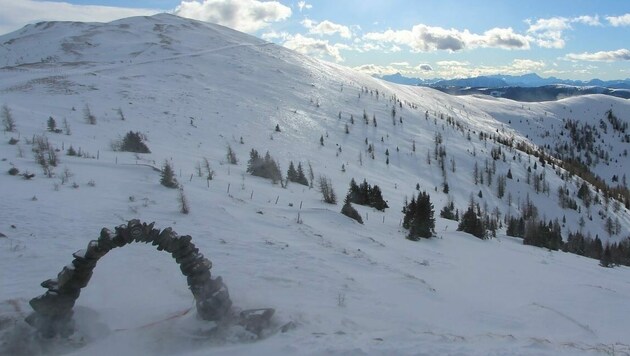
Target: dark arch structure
point(52, 314)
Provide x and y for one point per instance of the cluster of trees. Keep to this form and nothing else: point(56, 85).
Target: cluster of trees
point(326, 188)
point(449, 212)
point(548, 235)
point(265, 167)
point(565, 200)
point(366, 194)
point(541, 234)
point(533, 231)
point(45, 155)
point(418, 217)
point(472, 223)
point(296, 175)
point(612, 254)
point(617, 125)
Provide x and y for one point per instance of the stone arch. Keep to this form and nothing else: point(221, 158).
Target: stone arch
point(53, 310)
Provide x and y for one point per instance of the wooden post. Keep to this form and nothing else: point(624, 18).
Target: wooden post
point(278, 197)
point(300, 205)
point(228, 188)
point(251, 195)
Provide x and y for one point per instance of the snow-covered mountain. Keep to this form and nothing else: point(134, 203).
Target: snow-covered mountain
point(193, 90)
point(528, 80)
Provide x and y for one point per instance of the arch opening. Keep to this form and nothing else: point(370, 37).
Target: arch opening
point(52, 313)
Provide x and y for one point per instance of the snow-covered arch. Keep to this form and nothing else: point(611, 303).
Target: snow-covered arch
point(53, 310)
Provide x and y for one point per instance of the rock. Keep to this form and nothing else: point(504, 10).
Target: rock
point(66, 274)
point(105, 239)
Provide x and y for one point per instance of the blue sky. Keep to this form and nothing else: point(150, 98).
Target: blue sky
point(574, 39)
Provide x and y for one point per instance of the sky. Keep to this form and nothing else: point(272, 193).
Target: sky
point(569, 39)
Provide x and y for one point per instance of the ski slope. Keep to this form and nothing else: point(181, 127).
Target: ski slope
point(193, 89)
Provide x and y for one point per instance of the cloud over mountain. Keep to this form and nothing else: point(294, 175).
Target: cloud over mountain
point(243, 15)
point(601, 56)
point(423, 38)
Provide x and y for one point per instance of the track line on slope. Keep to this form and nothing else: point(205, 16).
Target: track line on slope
point(565, 316)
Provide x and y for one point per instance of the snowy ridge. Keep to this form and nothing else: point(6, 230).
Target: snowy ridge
point(193, 89)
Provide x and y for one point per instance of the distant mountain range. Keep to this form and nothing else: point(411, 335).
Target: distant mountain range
point(501, 81)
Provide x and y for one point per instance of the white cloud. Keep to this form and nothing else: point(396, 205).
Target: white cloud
point(303, 5)
point(375, 69)
point(617, 21)
point(16, 14)
point(367, 46)
point(549, 33)
point(423, 38)
point(455, 69)
point(326, 28)
point(504, 38)
point(314, 47)
point(403, 68)
point(587, 20)
point(452, 63)
point(243, 15)
point(526, 65)
point(602, 56)
point(273, 35)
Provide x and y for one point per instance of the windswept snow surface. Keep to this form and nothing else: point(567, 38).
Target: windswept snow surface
point(193, 89)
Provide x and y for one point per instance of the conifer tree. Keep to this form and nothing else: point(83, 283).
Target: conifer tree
point(301, 178)
point(353, 192)
point(419, 217)
point(254, 163)
point(606, 260)
point(52, 124)
point(408, 211)
point(448, 211)
point(326, 188)
point(231, 155)
point(133, 142)
point(8, 122)
point(292, 174)
point(168, 176)
point(349, 211)
point(472, 224)
point(376, 199)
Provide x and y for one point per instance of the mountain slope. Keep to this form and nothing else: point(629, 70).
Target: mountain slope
point(195, 88)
